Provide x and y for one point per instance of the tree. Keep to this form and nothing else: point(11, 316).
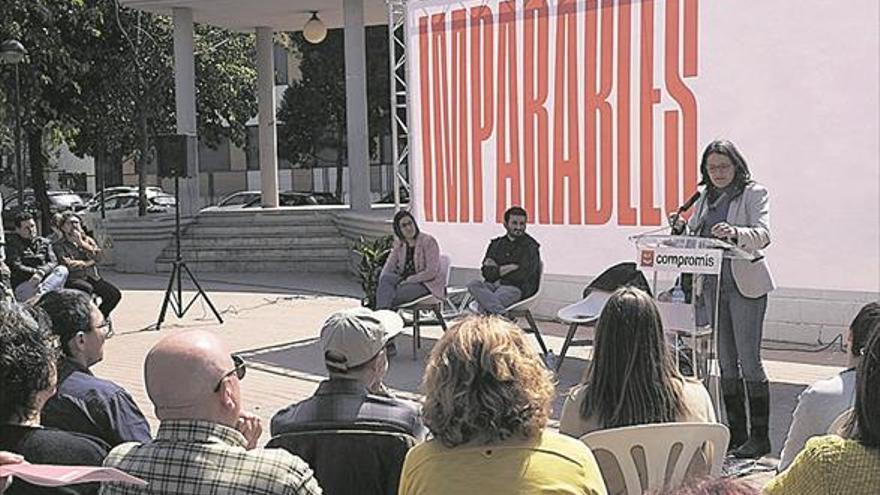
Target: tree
point(102, 77)
point(313, 107)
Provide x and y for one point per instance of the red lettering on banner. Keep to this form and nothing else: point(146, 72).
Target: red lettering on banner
point(482, 96)
point(566, 159)
point(458, 172)
point(534, 113)
point(626, 213)
point(441, 111)
point(468, 102)
point(507, 140)
point(649, 96)
point(598, 194)
point(425, 91)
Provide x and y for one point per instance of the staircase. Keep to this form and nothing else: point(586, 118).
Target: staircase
point(282, 240)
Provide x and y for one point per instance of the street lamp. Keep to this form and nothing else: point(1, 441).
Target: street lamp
point(13, 52)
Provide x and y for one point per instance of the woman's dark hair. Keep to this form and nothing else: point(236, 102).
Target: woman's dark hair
point(861, 326)
point(632, 379)
point(742, 178)
point(865, 426)
point(398, 217)
point(70, 311)
point(27, 357)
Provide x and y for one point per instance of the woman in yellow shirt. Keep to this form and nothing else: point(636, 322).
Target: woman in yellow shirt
point(487, 400)
point(831, 464)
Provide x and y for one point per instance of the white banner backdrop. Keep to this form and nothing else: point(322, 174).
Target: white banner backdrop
point(592, 115)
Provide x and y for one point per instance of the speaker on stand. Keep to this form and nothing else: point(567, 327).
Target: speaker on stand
point(171, 161)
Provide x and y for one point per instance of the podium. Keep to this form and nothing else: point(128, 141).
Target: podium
point(697, 319)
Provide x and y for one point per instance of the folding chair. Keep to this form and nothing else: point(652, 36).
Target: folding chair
point(427, 303)
point(586, 311)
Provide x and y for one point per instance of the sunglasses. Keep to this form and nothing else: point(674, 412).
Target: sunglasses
point(239, 370)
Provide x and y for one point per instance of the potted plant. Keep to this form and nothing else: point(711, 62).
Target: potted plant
point(373, 253)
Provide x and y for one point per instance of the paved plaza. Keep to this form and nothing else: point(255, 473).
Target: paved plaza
point(273, 320)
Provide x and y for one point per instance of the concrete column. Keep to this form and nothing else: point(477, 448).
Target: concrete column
point(185, 105)
point(266, 124)
point(356, 106)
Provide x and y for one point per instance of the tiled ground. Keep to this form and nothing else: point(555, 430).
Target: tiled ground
point(274, 318)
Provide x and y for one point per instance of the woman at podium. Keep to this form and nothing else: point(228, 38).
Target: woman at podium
point(735, 208)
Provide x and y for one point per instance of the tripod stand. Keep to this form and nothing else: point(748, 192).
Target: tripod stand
point(174, 291)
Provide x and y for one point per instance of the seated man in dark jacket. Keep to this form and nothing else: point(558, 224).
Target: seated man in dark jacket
point(511, 267)
point(354, 398)
point(35, 270)
point(85, 403)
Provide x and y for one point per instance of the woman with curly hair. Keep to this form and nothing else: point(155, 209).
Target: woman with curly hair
point(633, 380)
point(487, 400)
point(28, 376)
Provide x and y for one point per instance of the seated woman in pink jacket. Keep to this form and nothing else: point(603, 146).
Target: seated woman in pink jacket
point(413, 267)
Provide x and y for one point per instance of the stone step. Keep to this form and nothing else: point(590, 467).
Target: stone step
point(294, 242)
point(256, 255)
point(163, 265)
point(237, 217)
point(258, 230)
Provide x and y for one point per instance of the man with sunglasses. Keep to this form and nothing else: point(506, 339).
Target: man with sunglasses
point(206, 441)
point(85, 403)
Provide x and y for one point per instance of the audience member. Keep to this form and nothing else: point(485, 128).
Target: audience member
point(84, 402)
point(27, 375)
point(206, 442)
point(80, 254)
point(821, 403)
point(35, 270)
point(354, 398)
point(412, 269)
point(487, 400)
point(353, 342)
point(831, 464)
point(633, 380)
point(511, 268)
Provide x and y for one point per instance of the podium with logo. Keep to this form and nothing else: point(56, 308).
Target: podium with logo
point(690, 318)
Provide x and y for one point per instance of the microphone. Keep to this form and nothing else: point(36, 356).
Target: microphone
point(690, 202)
point(683, 208)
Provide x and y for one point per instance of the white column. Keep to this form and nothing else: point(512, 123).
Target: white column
point(266, 111)
point(356, 106)
point(185, 105)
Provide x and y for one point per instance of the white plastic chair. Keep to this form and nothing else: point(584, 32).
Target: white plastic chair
point(582, 313)
point(523, 309)
point(657, 441)
point(838, 426)
point(427, 303)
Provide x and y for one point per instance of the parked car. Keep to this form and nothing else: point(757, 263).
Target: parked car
point(60, 200)
point(237, 200)
point(151, 191)
point(294, 198)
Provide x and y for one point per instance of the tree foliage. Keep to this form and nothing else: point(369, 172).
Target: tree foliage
point(104, 75)
point(313, 107)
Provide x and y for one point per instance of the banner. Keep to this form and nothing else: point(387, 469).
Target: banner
point(592, 116)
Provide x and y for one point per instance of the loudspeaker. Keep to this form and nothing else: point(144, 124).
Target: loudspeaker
point(171, 151)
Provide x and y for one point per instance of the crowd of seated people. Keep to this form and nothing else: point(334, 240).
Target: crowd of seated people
point(482, 426)
point(35, 265)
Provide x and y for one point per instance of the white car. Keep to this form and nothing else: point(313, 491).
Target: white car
point(236, 200)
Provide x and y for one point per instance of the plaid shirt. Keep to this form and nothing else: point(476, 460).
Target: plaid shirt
point(190, 457)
